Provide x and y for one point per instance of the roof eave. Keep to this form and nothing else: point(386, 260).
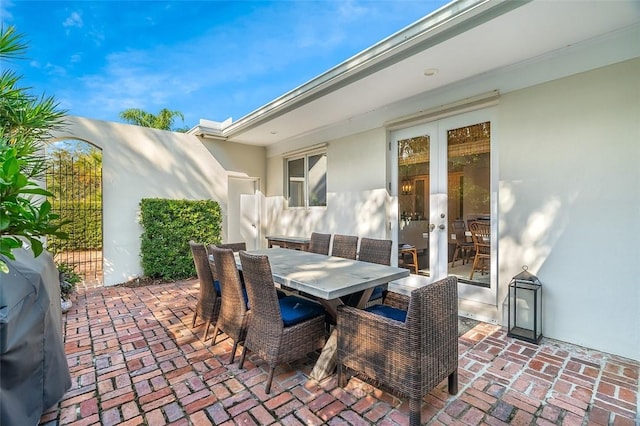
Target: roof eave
point(440, 25)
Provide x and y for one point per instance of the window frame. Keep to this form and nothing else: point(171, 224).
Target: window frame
point(304, 155)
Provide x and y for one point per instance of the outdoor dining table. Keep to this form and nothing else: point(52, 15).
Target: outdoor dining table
point(327, 278)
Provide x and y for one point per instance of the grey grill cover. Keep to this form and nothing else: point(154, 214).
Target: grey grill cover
point(33, 367)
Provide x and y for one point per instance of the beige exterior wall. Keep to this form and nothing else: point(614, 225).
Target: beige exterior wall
point(568, 200)
point(146, 163)
point(357, 201)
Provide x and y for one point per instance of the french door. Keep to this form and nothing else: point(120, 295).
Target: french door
point(443, 178)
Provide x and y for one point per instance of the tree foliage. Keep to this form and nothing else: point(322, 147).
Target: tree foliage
point(163, 121)
point(75, 178)
point(25, 121)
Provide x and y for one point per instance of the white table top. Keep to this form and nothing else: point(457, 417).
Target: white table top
point(326, 277)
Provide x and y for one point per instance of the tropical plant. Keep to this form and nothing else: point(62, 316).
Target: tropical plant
point(163, 121)
point(25, 121)
point(69, 279)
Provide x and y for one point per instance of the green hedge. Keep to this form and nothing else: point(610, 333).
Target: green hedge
point(168, 225)
point(84, 227)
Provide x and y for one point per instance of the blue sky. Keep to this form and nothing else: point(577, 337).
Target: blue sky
point(206, 59)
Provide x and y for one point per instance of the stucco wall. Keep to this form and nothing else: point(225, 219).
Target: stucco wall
point(569, 155)
point(145, 163)
point(356, 177)
point(568, 200)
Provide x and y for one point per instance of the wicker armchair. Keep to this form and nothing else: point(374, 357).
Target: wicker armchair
point(319, 243)
point(374, 251)
point(279, 330)
point(412, 356)
point(232, 319)
point(345, 246)
point(208, 305)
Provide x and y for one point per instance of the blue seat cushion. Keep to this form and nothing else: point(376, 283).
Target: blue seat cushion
point(378, 292)
point(388, 312)
point(295, 310)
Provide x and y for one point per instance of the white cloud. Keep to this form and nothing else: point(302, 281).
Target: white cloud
point(55, 70)
point(74, 20)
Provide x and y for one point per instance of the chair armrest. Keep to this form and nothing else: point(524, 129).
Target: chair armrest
point(396, 300)
point(365, 329)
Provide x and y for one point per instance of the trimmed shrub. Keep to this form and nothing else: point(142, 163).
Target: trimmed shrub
point(84, 227)
point(168, 225)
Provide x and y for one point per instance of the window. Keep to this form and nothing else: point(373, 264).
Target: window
point(307, 180)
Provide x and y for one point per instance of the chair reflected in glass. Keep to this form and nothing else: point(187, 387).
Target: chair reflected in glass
point(463, 247)
point(208, 304)
point(481, 236)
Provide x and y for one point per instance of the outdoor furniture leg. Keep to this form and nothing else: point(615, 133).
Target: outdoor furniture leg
point(452, 382)
point(244, 353)
point(233, 351)
point(195, 315)
point(342, 382)
point(215, 334)
point(206, 331)
point(326, 363)
point(267, 387)
point(414, 411)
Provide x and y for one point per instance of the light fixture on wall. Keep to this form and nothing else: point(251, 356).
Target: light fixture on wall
point(406, 187)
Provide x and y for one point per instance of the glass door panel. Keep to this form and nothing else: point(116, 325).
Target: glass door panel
point(414, 170)
point(469, 199)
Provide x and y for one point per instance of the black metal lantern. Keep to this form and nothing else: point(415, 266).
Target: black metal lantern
point(525, 307)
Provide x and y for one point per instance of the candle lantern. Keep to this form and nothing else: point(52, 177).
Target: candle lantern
point(525, 307)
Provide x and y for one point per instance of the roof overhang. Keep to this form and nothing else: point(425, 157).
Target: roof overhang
point(451, 50)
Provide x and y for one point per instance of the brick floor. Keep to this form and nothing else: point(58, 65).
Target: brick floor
point(134, 359)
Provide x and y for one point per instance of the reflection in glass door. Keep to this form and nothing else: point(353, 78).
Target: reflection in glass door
point(413, 203)
point(443, 187)
point(469, 202)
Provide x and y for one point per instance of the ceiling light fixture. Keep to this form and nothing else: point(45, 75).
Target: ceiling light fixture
point(429, 72)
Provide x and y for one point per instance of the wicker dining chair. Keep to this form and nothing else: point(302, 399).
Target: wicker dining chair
point(409, 354)
point(481, 236)
point(236, 247)
point(208, 304)
point(279, 330)
point(374, 251)
point(232, 319)
point(463, 247)
point(345, 246)
point(319, 243)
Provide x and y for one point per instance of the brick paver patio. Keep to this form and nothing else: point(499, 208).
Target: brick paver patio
point(134, 360)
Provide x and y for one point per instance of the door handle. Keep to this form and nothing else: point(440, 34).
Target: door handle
point(432, 226)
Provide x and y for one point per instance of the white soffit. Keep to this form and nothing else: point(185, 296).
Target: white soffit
point(531, 30)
